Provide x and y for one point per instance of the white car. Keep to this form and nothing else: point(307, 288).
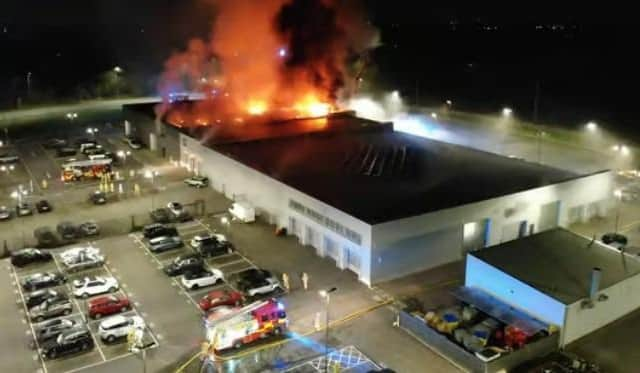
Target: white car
point(89, 286)
point(78, 259)
point(262, 286)
point(119, 326)
point(197, 181)
point(8, 158)
point(202, 278)
point(176, 208)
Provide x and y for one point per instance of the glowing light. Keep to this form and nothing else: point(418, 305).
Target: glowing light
point(257, 107)
point(312, 107)
point(280, 306)
point(507, 112)
point(434, 115)
point(617, 193)
point(592, 126)
point(624, 150)
point(282, 52)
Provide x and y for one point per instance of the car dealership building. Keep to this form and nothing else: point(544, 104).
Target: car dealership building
point(379, 203)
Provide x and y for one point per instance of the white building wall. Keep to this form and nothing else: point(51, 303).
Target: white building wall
point(622, 299)
point(492, 280)
point(504, 216)
point(271, 200)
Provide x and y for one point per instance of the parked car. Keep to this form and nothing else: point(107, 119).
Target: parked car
point(264, 286)
point(52, 307)
point(51, 329)
point(197, 181)
point(134, 143)
point(43, 280)
point(67, 230)
point(201, 278)
point(89, 146)
point(157, 230)
point(98, 197)
point(107, 305)
point(37, 297)
point(90, 286)
point(219, 298)
point(7, 158)
point(93, 151)
point(176, 208)
point(79, 259)
point(68, 342)
point(89, 228)
point(165, 243)
point(43, 206)
point(25, 257)
point(117, 327)
point(215, 248)
point(66, 152)
point(55, 143)
point(616, 240)
point(199, 239)
point(24, 209)
point(160, 215)
point(5, 213)
point(183, 264)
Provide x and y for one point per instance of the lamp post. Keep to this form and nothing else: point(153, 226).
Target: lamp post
point(152, 174)
point(93, 131)
point(326, 294)
point(618, 194)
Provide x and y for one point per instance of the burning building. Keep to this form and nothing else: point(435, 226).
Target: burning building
point(379, 203)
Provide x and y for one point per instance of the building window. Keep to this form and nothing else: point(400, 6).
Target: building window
point(327, 222)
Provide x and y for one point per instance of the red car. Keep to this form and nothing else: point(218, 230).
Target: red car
point(107, 305)
point(221, 298)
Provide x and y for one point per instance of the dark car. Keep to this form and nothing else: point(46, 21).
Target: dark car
point(25, 257)
point(165, 243)
point(68, 342)
point(158, 230)
point(211, 248)
point(55, 143)
point(67, 230)
point(89, 228)
point(37, 297)
point(65, 152)
point(43, 280)
point(98, 197)
point(182, 264)
point(43, 206)
point(52, 307)
point(48, 330)
point(616, 240)
point(161, 215)
point(253, 274)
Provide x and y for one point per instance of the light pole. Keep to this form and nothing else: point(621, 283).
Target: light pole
point(117, 71)
point(618, 194)
point(326, 294)
point(93, 131)
point(152, 174)
point(591, 126)
point(72, 116)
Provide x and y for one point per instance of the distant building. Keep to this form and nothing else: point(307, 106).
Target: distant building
point(380, 203)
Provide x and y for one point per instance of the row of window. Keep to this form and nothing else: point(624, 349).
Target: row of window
point(327, 222)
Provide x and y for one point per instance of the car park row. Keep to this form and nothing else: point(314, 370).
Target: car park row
point(74, 305)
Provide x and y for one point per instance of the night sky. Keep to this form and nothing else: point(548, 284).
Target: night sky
point(586, 68)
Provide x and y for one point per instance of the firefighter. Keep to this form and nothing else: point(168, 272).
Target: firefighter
point(305, 280)
point(285, 281)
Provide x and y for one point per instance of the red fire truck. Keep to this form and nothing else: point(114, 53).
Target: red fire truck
point(86, 169)
point(244, 325)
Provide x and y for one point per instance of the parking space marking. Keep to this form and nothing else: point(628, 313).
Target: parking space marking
point(33, 331)
point(75, 301)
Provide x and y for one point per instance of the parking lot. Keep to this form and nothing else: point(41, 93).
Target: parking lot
point(102, 352)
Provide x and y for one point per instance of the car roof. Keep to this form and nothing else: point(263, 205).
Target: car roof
point(113, 320)
point(103, 299)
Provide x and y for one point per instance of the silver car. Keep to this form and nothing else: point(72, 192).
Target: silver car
point(82, 259)
point(119, 326)
point(51, 308)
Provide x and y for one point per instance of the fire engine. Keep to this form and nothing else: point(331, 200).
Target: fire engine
point(90, 169)
point(244, 325)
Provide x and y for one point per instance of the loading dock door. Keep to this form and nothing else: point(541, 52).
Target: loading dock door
point(548, 216)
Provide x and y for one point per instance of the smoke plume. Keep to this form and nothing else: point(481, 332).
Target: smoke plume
point(267, 55)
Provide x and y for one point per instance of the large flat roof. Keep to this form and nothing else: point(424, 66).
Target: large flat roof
point(559, 262)
point(378, 175)
point(366, 169)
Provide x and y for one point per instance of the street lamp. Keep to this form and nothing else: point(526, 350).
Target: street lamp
point(449, 103)
point(507, 112)
point(326, 295)
point(591, 126)
point(152, 174)
point(618, 194)
point(72, 116)
point(117, 69)
point(93, 131)
point(434, 115)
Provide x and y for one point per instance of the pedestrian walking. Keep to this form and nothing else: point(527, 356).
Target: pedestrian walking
point(305, 280)
point(285, 281)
